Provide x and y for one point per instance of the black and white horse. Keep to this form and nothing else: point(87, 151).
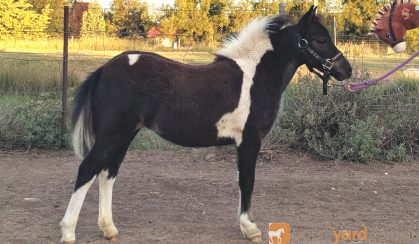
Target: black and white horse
point(233, 100)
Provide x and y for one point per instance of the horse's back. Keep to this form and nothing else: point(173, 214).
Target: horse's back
point(166, 95)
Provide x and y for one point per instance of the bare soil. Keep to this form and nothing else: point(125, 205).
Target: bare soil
point(191, 197)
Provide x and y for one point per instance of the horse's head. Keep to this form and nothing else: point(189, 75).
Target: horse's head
point(317, 48)
point(392, 22)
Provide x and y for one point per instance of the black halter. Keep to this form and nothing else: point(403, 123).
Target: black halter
point(327, 63)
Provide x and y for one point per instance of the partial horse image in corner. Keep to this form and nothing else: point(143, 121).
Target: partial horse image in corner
point(392, 22)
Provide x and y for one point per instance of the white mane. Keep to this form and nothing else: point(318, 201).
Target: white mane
point(247, 39)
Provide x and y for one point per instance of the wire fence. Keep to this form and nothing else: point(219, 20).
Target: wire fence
point(32, 90)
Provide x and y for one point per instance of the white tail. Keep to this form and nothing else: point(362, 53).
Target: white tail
point(83, 138)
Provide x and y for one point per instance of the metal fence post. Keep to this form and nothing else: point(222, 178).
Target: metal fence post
point(64, 83)
point(282, 101)
point(282, 8)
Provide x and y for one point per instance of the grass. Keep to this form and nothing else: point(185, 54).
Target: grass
point(35, 72)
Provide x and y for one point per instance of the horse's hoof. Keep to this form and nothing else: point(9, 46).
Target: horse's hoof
point(112, 238)
point(253, 235)
point(256, 238)
point(249, 229)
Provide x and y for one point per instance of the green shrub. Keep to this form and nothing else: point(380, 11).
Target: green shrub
point(379, 123)
point(364, 140)
point(147, 139)
point(31, 122)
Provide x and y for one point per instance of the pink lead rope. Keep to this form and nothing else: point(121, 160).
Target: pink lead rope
point(364, 84)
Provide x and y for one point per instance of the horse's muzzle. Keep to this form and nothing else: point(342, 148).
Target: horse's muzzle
point(342, 69)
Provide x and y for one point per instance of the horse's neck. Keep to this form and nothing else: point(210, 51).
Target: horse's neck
point(281, 74)
point(407, 15)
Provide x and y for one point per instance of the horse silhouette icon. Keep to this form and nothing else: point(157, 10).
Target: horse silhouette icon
point(279, 233)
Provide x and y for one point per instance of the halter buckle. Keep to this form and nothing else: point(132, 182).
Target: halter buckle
point(328, 65)
point(303, 43)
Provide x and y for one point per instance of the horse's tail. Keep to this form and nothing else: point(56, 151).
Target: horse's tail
point(83, 135)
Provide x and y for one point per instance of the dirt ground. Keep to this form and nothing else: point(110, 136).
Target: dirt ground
point(191, 197)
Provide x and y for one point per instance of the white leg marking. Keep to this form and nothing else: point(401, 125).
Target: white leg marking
point(232, 124)
point(69, 222)
point(105, 220)
point(239, 208)
point(249, 228)
point(133, 58)
point(240, 196)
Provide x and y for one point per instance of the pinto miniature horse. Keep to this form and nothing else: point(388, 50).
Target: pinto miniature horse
point(393, 21)
point(233, 100)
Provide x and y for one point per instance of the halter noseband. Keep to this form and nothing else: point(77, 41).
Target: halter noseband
point(327, 63)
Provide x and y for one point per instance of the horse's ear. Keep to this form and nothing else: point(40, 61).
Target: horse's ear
point(307, 19)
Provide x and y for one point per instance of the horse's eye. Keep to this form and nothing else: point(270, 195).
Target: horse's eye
point(321, 40)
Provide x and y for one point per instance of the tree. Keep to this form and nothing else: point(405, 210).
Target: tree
point(19, 21)
point(118, 14)
point(357, 16)
point(130, 17)
point(184, 21)
point(264, 7)
point(219, 17)
point(93, 23)
point(197, 20)
point(412, 40)
point(138, 21)
point(298, 8)
point(55, 25)
point(241, 14)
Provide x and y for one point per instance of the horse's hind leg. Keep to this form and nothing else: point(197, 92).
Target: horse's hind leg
point(105, 220)
point(69, 222)
point(247, 155)
point(104, 160)
point(106, 181)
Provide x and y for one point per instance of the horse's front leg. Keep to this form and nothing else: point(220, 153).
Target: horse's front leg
point(248, 151)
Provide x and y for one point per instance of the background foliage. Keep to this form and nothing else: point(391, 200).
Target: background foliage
point(19, 20)
point(204, 21)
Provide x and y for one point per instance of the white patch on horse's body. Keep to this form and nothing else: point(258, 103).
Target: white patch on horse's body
point(248, 228)
point(82, 136)
point(105, 220)
point(68, 224)
point(247, 49)
point(133, 58)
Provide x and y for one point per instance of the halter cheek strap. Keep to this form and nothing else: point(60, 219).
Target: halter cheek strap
point(327, 64)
